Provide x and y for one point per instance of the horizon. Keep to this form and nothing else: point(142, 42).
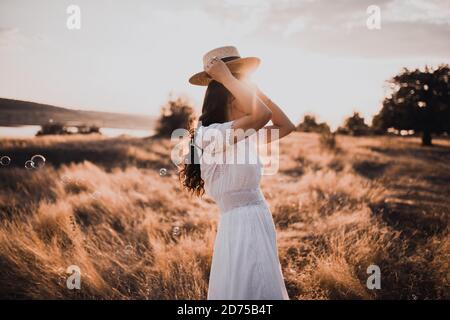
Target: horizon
point(75, 109)
point(318, 57)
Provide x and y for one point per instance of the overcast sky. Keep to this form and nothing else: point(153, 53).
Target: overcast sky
point(317, 56)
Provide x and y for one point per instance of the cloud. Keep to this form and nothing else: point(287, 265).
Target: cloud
point(428, 11)
point(393, 40)
point(409, 29)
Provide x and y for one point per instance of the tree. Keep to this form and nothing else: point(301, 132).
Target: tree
point(310, 124)
point(177, 113)
point(62, 129)
point(88, 129)
point(52, 129)
point(420, 101)
point(354, 125)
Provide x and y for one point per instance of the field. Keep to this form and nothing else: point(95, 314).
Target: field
point(102, 205)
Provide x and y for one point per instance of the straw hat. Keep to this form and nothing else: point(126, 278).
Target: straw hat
point(232, 59)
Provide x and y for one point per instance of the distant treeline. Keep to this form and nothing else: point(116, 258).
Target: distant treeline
point(419, 103)
point(354, 125)
point(61, 129)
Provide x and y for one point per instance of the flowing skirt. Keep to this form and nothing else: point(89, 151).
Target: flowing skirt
point(245, 263)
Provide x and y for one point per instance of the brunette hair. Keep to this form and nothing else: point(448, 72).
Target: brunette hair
point(214, 110)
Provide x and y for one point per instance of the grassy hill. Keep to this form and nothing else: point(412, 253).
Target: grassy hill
point(17, 112)
point(102, 205)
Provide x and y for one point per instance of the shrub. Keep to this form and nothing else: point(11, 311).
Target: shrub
point(327, 141)
point(52, 128)
point(310, 124)
point(354, 126)
point(61, 129)
point(85, 129)
point(177, 113)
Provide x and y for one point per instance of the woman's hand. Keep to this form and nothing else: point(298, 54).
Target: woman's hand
point(218, 70)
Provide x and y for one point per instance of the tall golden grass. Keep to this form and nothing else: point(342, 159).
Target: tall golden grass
point(101, 204)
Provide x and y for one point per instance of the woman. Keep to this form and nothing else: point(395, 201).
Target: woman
point(245, 263)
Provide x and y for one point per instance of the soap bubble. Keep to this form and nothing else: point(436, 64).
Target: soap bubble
point(65, 179)
point(162, 171)
point(128, 249)
point(5, 160)
point(176, 231)
point(38, 161)
point(96, 195)
point(29, 164)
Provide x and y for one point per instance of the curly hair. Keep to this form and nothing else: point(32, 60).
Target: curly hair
point(214, 110)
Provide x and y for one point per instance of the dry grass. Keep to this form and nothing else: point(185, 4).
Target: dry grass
point(102, 205)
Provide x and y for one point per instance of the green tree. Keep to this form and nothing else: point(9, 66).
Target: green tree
point(420, 101)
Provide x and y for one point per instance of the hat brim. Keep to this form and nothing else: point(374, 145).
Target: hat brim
point(238, 66)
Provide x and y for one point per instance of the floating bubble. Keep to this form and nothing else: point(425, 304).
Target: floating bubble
point(162, 171)
point(38, 161)
point(5, 160)
point(96, 195)
point(128, 249)
point(29, 164)
point(176, 231)
point(65, 179)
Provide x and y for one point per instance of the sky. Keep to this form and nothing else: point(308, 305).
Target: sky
point(318, 56)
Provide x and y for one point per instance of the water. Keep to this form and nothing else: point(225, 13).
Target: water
point(30, 131)
point(19, 132)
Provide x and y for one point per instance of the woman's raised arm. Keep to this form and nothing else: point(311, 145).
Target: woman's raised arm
point(279, 119)
point(257, 114)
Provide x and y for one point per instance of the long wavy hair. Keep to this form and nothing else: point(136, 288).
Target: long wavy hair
point(214, 110)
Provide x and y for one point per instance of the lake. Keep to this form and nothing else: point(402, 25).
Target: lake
point(30, 131)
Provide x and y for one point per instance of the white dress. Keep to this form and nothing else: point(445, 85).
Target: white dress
point(245, 263)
